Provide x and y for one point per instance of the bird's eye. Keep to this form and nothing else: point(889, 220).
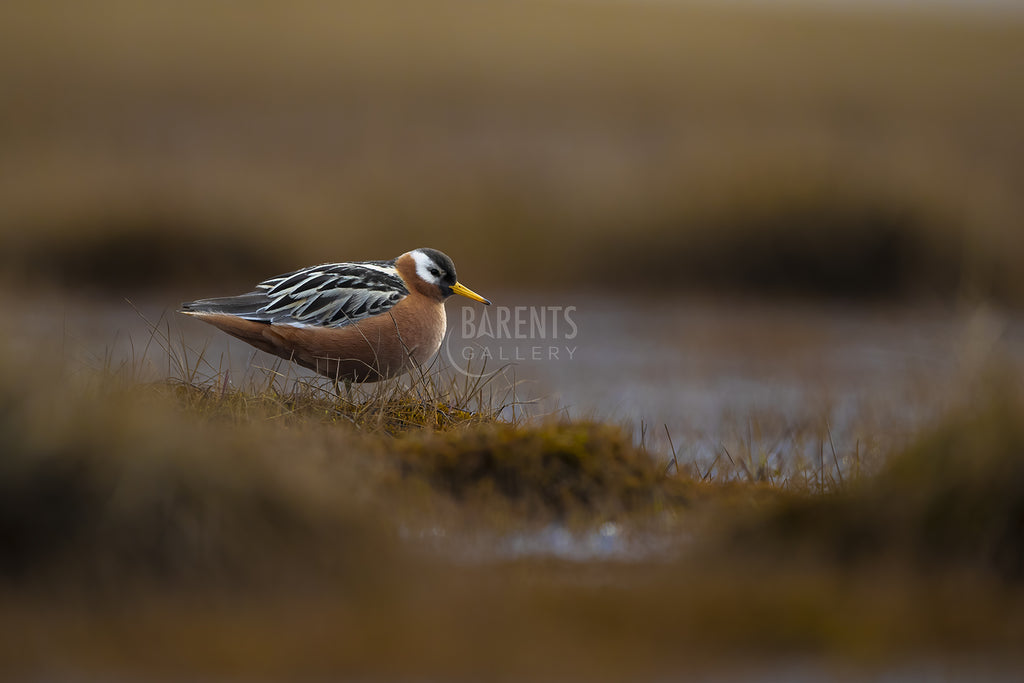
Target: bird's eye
point(435, 272)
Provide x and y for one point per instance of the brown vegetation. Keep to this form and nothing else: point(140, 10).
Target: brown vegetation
point(608, 145)
point(195, 520)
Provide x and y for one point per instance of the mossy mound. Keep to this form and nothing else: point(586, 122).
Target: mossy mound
point(954, 500)
point(556, 469)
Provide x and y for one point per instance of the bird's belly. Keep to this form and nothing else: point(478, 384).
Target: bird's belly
point(371, 350)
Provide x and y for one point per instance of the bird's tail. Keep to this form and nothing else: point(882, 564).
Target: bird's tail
point(243, 306)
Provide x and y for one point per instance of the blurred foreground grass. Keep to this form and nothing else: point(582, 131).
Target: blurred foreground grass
point(196, 530)
point(860, 153)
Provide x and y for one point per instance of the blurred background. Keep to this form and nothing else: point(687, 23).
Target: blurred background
point(815, 149)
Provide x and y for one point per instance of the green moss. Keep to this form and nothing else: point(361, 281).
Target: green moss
point(557, 469)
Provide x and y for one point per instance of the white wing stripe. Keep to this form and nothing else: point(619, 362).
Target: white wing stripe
point(331, 295)
point(388, 270)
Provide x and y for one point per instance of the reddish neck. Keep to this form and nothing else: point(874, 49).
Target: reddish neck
point(406, 267)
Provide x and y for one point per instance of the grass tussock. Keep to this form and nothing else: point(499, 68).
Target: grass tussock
point(952, 502)
point(389, 408)
point(545, 471)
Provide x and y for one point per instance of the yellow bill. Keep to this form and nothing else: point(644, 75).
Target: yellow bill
point(460, 288)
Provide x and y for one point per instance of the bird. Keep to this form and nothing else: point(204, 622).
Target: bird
point(361, 321)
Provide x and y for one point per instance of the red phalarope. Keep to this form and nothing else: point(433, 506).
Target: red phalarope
point(361, 322)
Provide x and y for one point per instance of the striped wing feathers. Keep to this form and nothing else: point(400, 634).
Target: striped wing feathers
point(329, 295)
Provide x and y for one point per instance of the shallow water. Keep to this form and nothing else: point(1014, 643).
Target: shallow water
point(607, 541)
point(712, 374)
point(713, 379)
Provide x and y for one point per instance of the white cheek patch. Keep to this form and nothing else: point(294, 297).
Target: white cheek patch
point(423, 266)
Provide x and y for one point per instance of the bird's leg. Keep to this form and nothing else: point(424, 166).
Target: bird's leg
point(338, 381)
